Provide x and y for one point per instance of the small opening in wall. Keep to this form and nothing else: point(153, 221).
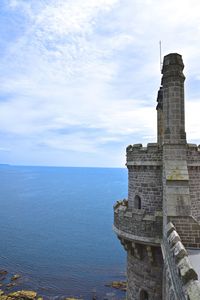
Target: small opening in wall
point(137, 202)
point(144, 295)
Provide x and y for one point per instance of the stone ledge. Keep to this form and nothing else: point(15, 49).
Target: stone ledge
point(136, 238)
point(143, 163)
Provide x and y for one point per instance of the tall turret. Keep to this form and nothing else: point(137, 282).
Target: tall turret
point(173, 100)
point(163, 186)
point(176, 197)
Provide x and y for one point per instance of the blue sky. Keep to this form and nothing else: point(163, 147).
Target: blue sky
point(79, 79)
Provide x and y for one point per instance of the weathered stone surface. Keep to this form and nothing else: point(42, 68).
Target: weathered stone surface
point(193, 290)
point(143, 274)
point(186, 270)
point(169, 228)
point(23, 294)
point(173, 238)
point(179, 251)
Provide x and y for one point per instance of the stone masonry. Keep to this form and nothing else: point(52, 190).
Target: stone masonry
point(160, 219)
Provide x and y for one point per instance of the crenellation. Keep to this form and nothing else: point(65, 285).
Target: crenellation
point(163, 206)
point(150, 155)
point(179, 269)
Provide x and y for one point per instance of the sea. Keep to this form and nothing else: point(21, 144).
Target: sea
point(56, 230)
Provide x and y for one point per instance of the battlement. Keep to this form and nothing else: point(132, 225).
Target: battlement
point(163, 186)
point(181, 278)
point(136, 225)
point(150, 155)
point(193, 154)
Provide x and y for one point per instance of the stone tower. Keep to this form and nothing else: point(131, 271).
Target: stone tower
point(163, 186)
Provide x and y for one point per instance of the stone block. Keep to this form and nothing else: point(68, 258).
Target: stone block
point(170, 228)
point(173, 238)
point(176, 170)
point(186, 270)
point(193, 290)
point(136, 146)
point(179, 251)
point(129, 148)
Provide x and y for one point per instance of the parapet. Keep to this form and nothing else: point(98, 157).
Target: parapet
point(135, 225)
point(139, 155)
point(179, 267)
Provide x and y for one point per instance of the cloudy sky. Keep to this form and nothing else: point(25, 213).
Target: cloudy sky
point(79, 79)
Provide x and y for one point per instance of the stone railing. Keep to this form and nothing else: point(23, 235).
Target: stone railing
point(136, 225)
point(181, 280)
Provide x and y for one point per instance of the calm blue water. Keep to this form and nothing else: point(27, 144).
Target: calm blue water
point(56, 228)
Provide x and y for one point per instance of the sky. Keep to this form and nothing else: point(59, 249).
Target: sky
point(79, 79)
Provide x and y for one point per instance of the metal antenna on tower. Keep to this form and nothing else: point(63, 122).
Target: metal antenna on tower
point(160, 47)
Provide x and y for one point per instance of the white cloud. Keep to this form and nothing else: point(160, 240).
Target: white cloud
point(92, 67)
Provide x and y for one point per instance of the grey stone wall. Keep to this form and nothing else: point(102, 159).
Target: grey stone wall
point(194, 186)
point(137, 223)
point(137, 154)
point(193, 154)
point(145, 275)
point(188, 229)
point(146, 182)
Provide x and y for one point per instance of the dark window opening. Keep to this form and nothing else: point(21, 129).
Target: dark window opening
point(137, 202)
point(144, 295)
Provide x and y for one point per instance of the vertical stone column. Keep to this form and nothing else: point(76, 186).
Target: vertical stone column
point(176, 196)
point(173, 99)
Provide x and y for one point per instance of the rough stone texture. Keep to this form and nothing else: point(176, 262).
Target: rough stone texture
point(187, 272)
point(188, 229)
point(193, 154)
point(137, 222)
point(146, 182)
point(173, 99)
point(178, 273)
point(193, 290)
point(137, 154)
point(144, 275)
point(194, 186)
point(173, 238)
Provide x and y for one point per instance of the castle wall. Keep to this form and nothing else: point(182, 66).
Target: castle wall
point(188, 229)
point(164, 186)
point(193, 161)
point(194, 186)
point(144, 275)
point(145, 176)
point(138, 155)
point(146, 182)
point(135, 224)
